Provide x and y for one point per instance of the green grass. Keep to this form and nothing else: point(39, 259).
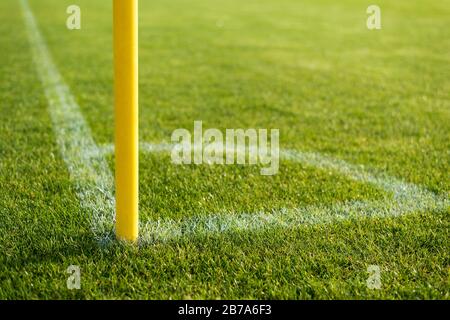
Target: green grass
point(311, 68)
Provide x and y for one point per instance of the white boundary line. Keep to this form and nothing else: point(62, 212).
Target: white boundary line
point(91, 176)
point(94, 185)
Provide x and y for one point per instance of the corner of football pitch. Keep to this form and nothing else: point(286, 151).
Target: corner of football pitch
point(363, 180)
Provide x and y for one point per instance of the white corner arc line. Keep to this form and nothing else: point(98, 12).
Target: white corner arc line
point(406, 198)
point(91, 176)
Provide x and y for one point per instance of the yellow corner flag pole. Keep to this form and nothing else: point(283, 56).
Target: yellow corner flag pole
point(126, 117)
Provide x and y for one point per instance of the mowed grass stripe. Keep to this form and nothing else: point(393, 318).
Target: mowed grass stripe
point(91, 176)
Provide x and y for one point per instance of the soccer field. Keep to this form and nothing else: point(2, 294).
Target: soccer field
point(363, 180)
